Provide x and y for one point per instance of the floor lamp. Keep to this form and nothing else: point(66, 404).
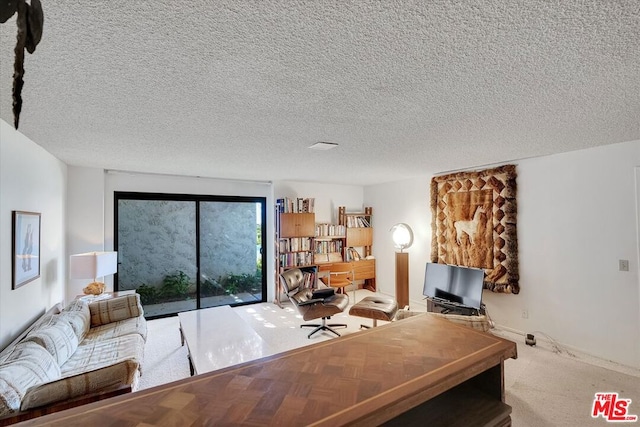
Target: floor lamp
point(402, 238)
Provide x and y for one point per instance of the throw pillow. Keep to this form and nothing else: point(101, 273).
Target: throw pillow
point(115, 309)
point(58, 338)
point(77, 314)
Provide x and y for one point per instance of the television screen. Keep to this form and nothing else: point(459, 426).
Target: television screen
point(459, 285)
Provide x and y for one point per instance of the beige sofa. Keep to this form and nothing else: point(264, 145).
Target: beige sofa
point(67, 356)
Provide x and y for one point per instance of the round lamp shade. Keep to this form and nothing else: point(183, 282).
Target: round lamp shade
point(402, 236)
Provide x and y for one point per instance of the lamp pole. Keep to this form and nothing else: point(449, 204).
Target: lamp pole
point(402, 279)
point(402, 239)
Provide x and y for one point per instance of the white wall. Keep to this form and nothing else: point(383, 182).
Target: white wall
point(33, 180)
point(577, 216)
point(328, 197)
point(85, 219)
point(404, 201)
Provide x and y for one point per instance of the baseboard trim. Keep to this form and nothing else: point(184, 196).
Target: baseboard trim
point(565, 350)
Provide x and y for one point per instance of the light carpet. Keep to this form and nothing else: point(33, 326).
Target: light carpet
point(546, 385)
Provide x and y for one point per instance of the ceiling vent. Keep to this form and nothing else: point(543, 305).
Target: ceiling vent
point(323, 146)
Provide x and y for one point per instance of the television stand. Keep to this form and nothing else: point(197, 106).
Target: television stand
point(475, 319)
point(444, 307)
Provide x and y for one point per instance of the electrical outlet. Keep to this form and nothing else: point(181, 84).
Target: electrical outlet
point(623, 265)
point(525, 314)
point(530, 340)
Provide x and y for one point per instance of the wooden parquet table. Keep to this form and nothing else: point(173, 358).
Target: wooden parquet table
point(421, 369)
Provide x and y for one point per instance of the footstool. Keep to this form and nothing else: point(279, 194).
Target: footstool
point(376, 308)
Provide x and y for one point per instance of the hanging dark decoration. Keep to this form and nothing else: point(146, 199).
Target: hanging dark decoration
point(30, 22)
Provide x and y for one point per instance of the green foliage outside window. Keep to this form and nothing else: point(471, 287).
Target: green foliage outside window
point(148, 294)
point(177, 287)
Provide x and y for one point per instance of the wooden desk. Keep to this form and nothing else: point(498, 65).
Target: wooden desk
point(362, 270)
point(421, 364)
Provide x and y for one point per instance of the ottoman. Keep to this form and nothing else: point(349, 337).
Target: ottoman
point(376, 308)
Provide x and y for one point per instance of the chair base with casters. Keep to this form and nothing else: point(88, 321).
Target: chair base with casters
point(324, 327)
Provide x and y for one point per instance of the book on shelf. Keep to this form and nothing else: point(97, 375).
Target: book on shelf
point(358, 221)
point(294, 244)
point(296, 259)
point(353, 255)
point(296, 205)
point(325, 258)
point(309, 278)
point(326, 246)
point(330, 230)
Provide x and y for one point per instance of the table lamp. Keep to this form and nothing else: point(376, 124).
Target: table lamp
point(91, 265)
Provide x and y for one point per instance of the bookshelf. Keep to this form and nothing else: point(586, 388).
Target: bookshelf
point(295, 240)
point(358, 244)
point(329, 243)
point(359, 232)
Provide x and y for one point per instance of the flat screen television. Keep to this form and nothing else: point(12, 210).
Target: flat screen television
point(454, 284)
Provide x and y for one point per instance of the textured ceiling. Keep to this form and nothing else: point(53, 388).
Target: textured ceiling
point(240, 89)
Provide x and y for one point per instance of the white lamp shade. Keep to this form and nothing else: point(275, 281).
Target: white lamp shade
point(402, 236)
point(91, 265)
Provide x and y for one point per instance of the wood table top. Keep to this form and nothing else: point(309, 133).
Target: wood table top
point(362, 378)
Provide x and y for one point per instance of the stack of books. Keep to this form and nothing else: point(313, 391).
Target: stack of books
point(297, 205)
point(358, 221)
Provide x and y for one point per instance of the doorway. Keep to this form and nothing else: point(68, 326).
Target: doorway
point(185, 252)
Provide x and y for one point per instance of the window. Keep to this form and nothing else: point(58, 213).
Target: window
point(182, 252)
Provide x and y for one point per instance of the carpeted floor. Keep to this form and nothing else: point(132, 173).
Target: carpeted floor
point(546, 385)
point(165, 360)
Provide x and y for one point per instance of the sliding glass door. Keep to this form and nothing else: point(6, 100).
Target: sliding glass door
point(186, 252)
point(230, 253)
point(156, 244)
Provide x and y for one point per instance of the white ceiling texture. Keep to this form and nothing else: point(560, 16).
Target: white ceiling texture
point(240, 89)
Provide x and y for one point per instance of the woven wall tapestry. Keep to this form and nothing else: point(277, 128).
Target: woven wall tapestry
point(474, 224)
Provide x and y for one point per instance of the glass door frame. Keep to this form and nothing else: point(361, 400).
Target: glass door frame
point(197, 198)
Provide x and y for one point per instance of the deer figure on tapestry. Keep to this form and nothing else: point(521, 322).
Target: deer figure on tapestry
point(468, 227)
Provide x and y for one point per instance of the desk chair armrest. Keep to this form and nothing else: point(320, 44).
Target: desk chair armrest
point(340, 273)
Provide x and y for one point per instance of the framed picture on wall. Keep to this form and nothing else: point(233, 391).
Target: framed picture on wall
point(25, 247)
